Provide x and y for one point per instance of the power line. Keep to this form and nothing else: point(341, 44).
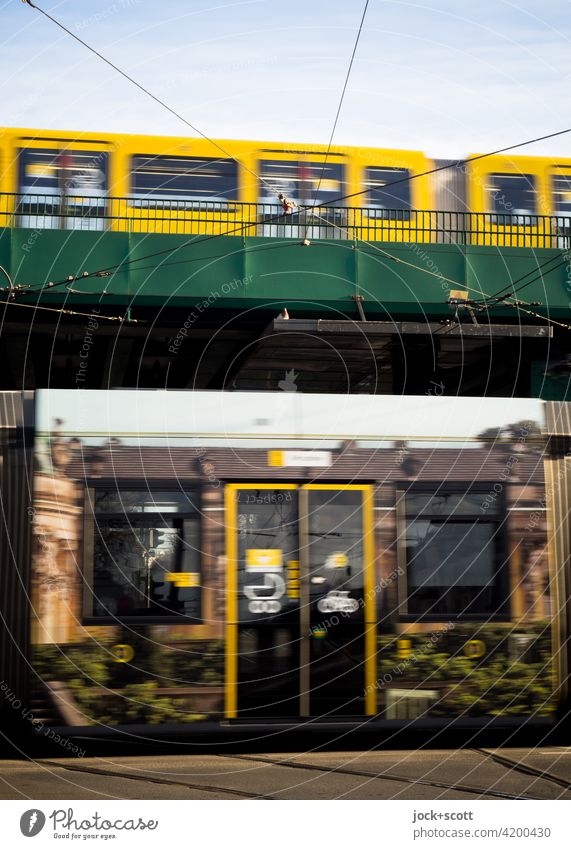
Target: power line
point(137, 84)
point(347, 76)
point(504, 291)
point(31, 290)
point(462, 284)
point(124, 74)
point(373, 246)
point(64, 311)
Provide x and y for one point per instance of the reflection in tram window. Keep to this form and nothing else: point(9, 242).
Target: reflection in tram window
point(306, 184)
point(145, 565)
point(512, 194)
point(335, 540)
point(268, 551)
point(181, 181)
point(561, 185)
point(452, 557)
point(62, 188)
point(302, 182)
point(388, 190)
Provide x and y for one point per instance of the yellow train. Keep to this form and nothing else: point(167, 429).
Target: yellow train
point(182, 185)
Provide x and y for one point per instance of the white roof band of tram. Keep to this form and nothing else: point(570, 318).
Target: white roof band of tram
point(290, 419)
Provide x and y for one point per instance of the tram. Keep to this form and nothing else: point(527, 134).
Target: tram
point(178, 559)
point(180, 185)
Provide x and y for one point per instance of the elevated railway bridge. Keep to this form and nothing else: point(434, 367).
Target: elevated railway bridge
point(240, 296)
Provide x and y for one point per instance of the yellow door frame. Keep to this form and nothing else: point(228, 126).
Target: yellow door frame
point(370, 623)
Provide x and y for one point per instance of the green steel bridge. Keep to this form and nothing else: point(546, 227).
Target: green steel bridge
point(377, 301)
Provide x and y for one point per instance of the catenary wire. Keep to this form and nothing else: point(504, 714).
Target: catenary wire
point(135, 83)
point(442, 277)
point(64, 311)
point(341, 99)
point(437, 275)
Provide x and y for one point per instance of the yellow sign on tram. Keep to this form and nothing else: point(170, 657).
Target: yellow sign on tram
point(264, 559)
point(404, 648)
point(183, 579)
point(122, 652)
point(474, 648)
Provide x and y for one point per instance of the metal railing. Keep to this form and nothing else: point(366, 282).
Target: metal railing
point(196, 217)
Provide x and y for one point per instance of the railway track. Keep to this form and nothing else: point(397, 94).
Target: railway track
point(517, 766)
point(386, 776)
point(206, 788)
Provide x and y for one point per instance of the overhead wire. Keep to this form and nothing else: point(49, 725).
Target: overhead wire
point(65, 311)
point(340, 104)
point(132, 80)
point(504, 291)
point(127, 263)
point(442, 277)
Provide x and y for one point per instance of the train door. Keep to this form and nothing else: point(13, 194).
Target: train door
point(300, 606)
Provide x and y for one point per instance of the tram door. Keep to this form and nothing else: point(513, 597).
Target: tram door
point(301, 607)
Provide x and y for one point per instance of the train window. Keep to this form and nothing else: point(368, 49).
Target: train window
point(335, 550)
point(134, 501)
point(388, 191)
point(62, 188)
point(452, 556)
point(561, 185)
point(511, 194)
point(71, 172)
point(302, 182)
point(184, 178)
point(146, 554)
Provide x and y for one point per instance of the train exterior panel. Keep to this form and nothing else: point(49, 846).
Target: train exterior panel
point(136, 183)
point(193, 185)
point(182, 169)
point(236, 557)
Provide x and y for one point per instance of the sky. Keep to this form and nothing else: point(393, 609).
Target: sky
point(448, 77)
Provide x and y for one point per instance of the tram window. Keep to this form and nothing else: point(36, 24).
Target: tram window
point(146, 554)
point(561, 184)
point(388, 192)
point(62, 188)
point(447, 503)
point(452, 556)
point(511, 194)
point(184, 178)
point(73, 172)
point(335, 534)
point(301, 181)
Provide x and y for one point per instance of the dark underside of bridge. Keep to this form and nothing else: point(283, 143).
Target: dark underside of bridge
point(251, 351)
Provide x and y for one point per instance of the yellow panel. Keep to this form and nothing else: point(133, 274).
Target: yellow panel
point(341, 487)
point(477, 179)
point(231, 691)
point(370, 606)
point(263, 485)
point(183, 579)
point(276, 458)
point(263, 558)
